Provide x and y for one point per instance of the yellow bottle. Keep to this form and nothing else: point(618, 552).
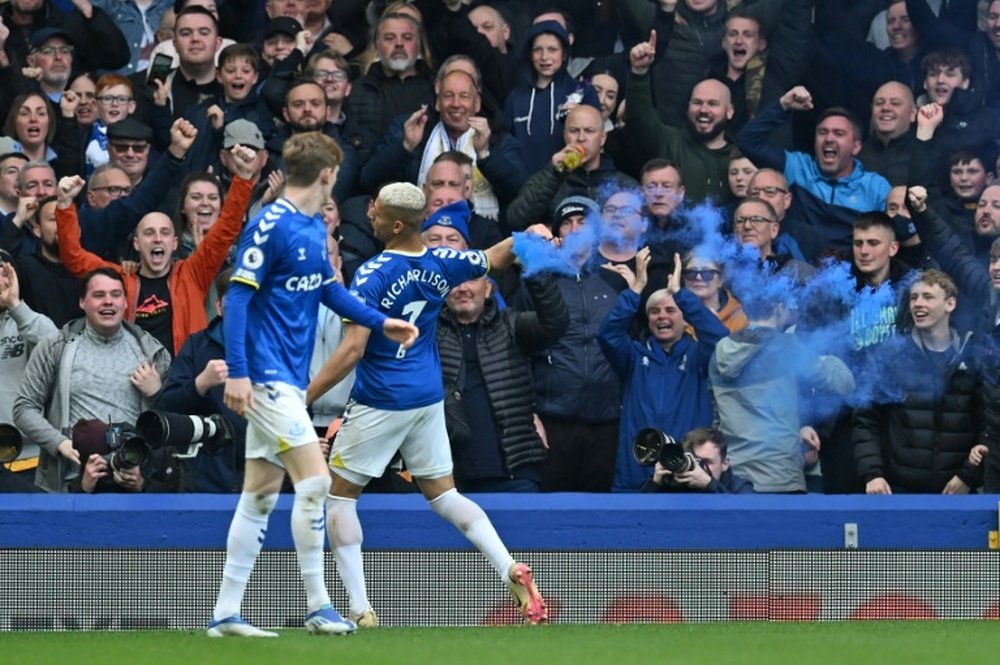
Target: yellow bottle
point(574, 157)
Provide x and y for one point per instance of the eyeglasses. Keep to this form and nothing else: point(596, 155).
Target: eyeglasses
point(52, 50)
point(329, 75)
point(137, 148)
point(770, 191)
point(619, 211)
point(113, 99)
point(114, 190)
point(703, 274)
point(755, 220)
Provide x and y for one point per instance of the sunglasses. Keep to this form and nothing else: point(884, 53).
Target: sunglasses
point(703, 274)
point(137, 148)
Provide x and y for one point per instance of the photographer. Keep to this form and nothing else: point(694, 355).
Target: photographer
point(709, 470)
point(110, 465)
point(62, 385)
point(194, 386)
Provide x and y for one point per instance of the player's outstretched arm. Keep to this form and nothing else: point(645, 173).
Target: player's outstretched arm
point(501, 255)
point(340, 363)
point(340, 300)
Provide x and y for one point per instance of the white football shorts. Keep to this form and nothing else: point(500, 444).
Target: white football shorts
point(279, 422)
point(369, 437)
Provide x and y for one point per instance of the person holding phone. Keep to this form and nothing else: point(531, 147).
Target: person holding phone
point(160, 69)
point(196, 39)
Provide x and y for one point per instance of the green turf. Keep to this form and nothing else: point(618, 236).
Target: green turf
point(853, 643)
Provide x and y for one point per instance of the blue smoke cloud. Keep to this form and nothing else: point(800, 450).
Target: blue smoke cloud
point(835, 318)
point(539, 256)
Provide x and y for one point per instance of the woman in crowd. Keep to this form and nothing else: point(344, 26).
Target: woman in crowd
point(703, 277)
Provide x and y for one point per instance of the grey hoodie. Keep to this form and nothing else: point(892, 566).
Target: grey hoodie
point(755, 381)
point(21, 329)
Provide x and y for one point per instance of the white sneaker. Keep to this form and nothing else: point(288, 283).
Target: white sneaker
point(235, 626)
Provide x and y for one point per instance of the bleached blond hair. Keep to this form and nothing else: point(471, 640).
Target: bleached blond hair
point(404, 201)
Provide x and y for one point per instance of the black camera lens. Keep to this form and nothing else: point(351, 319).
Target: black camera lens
point(647, 444)
point(162, 428)
point(132, 453)
point(673, 459)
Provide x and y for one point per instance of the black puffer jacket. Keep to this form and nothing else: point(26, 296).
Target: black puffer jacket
point(505, 342)
point(573, 378)
point(544, 190)
point(920, 438)
point(892, 160)
point(988, 351)
point(693, 41)
point(378, 98)
point(98, 42)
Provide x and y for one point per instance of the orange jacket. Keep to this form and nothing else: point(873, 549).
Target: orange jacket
point(190, 278)
point(731, 315)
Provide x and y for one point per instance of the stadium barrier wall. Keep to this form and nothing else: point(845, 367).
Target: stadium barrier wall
point(119, 562)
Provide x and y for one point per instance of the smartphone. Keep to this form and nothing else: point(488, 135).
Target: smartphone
point(161, 67)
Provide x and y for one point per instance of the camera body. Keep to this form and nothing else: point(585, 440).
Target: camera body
point(128, 449)
point(652, 445)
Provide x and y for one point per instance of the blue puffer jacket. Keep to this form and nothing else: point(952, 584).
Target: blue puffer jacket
point(573, 378)
point(669, 391)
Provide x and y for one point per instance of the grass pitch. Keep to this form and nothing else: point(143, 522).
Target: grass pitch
point(852, 643)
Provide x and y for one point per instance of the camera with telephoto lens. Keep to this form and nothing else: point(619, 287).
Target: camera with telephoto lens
point(11, 443)
point(128, 449)
point(651, 445)
point(162, 428)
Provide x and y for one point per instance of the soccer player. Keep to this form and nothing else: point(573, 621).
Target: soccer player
point(394, 404)
point(282, 273)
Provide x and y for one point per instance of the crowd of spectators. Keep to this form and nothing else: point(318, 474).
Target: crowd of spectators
point(775, 233)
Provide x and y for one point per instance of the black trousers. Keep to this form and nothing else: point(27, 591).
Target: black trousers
point(581, 455)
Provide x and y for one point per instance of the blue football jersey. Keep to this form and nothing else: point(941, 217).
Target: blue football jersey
point(283, 255)
point(412, 287)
